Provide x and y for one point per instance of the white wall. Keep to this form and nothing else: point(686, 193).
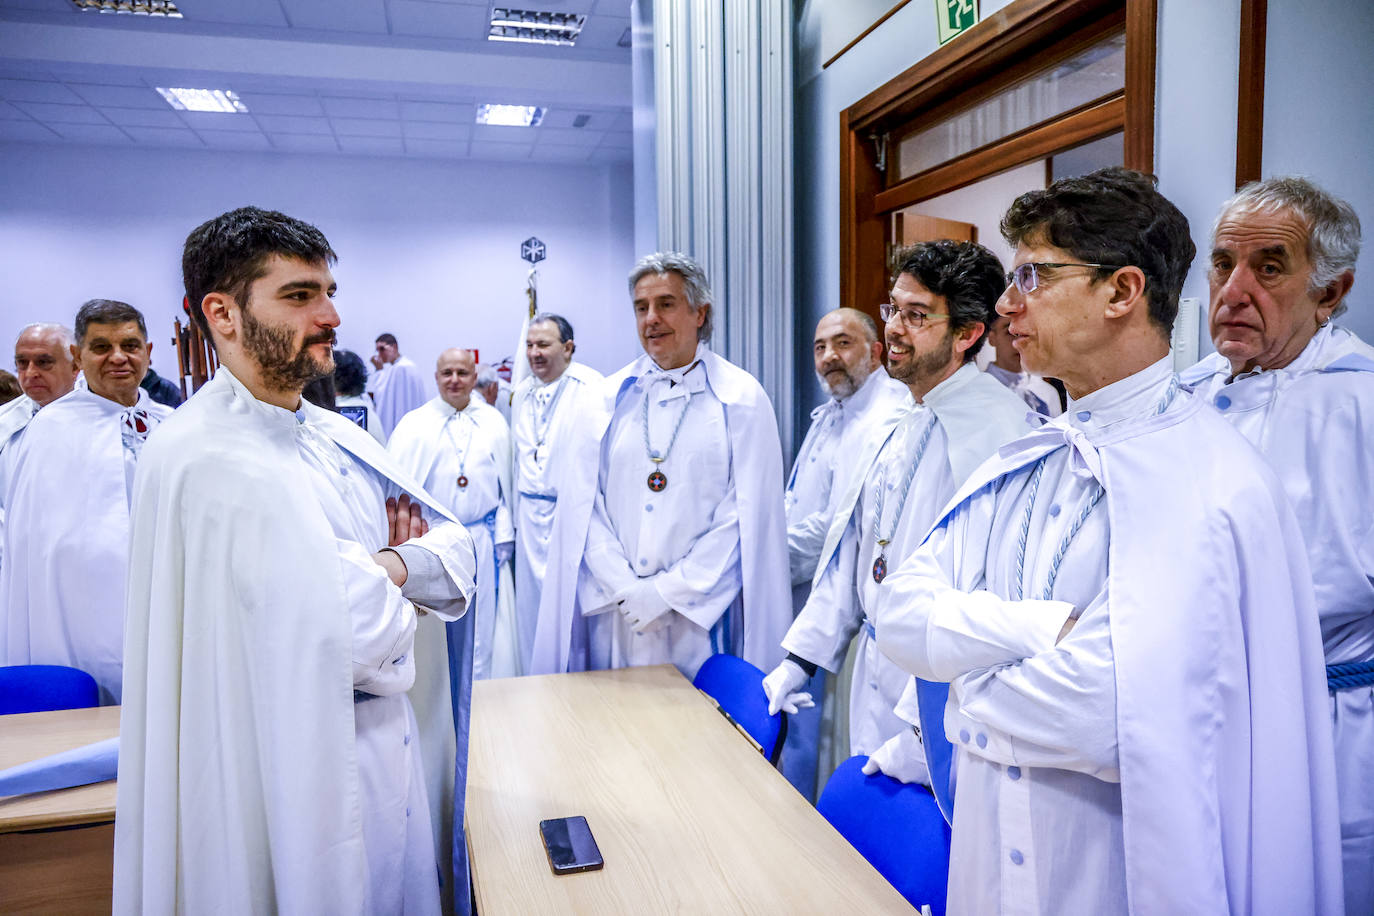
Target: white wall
point(984, 202)
point(427, 250)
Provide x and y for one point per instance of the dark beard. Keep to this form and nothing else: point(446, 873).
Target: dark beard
point(271, 347)
point(929, 364)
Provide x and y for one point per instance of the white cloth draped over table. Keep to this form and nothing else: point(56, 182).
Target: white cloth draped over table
point(971, 415)
point(14, 419)
point(397, 389)
point(550, 412)
point(67, 537)
point(439, 444)
point(714, 540)
point(1169, 754)
point(1314, 421)
point(251, 777)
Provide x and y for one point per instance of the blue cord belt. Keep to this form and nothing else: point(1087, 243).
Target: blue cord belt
point(1349, 675)
point(544, 496)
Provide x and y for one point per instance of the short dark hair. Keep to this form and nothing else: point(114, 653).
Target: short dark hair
point(107, 311)
point(968, 276)
point(350, 376)
point(1112, 216)
point(388, 339)
point(226, 254)
point(565, 329)
point(9, 387)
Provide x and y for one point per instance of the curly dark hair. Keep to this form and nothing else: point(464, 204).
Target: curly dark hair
point(1111, 216)
point(968, 275)
point(226, 254)
point(350, 376)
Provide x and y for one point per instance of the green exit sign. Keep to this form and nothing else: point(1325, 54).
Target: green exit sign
point(954, 17)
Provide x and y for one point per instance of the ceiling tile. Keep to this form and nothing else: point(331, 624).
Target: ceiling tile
point(270, 104)
point(447, 149)
point(25, 130)
point(218, 120)
point(366, 127)
point(304, 143)
point(233, 139)
point(294, 125)
point(560, 154)
point(603, 32)
point(43, 6)
point(438, 111)
point(564, 117)
point(488, 132)
point(331, 15)
point(92, 133)
point(63, 114)
point(37, 91)
point(240, 12)
point(380, 146)
point(605, 154)
point(585, 137)
point(491, 150)
point(360, 108)
point(434, 130)
point(119, 96)
point(618, 139)
point(9, 113)
point(139, 117)
point(619, 8)
point(438, 20)
point(622, 121)
point(165, 136)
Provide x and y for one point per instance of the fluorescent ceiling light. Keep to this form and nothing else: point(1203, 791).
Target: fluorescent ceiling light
point(510, 115)
point(221, 100)
point(165, 8)
point(535, 26)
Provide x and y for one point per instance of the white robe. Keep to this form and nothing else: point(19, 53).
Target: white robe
point(1314, 421)
point(250, 778)
point(721, 566)
point(14, 418)
point(1038, 394)
point(973, 416)
point(438, 444)
point(1168, 755)
point(396, 390)
point(67, 538)
point(535, 487)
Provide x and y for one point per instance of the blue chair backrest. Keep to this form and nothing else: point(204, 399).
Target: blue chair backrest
point(39, 688)
point(738, 687)
point(896, 826)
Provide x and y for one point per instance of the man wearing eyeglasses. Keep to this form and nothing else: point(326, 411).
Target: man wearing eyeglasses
point(1120, 612)
point(916, 456)
point(1302, 390)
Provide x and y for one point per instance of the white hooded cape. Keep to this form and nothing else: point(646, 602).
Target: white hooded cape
point(757, 454)
point(239, 687)
point(1227, 781)
point(397, 389)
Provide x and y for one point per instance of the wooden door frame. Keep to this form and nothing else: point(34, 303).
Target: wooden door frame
point(1009, 45)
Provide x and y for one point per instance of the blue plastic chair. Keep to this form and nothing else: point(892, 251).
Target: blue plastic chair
point(737, 687)
point(39, 688)
point(896, 826)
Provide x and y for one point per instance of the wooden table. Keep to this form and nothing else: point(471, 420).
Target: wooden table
point(689, 817)
point(56, 848)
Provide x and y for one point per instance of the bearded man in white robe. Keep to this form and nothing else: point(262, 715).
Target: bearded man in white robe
point(1302, 390)
point(458, 446)
point(1121, 609)
point(545, 407)
point(45, 365)
point(670, 542)
point(398, 386)
point(952, 419)
point(269, 757)
point(67, 505)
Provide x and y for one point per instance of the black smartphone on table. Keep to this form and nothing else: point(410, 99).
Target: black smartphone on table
point(570, 846)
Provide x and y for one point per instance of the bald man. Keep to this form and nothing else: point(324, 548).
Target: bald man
point(458, 446)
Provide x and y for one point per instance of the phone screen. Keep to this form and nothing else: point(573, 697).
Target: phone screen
point(569, 843)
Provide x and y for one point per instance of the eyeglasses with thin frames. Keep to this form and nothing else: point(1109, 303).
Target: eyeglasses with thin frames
point(910, 317)
point(1026, 277)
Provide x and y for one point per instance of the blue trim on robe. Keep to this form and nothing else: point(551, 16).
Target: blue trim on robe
point(460, 641)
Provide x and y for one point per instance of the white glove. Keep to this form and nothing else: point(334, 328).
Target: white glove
point(781, 688)
point(902, 757)
point(643, 607)
point(504, 551)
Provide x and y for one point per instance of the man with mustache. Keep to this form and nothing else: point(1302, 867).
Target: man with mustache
point(269, 757)
point(544, 408)
point(1113, 620)
point(1302, 390)
point(915, 457)
point(670, 542)
point(67, 505)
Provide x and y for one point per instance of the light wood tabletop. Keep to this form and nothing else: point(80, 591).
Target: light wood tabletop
point(689, 817)
point(32, 735)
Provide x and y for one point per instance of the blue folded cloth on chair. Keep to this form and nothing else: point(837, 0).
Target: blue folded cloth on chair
point(77, 767)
